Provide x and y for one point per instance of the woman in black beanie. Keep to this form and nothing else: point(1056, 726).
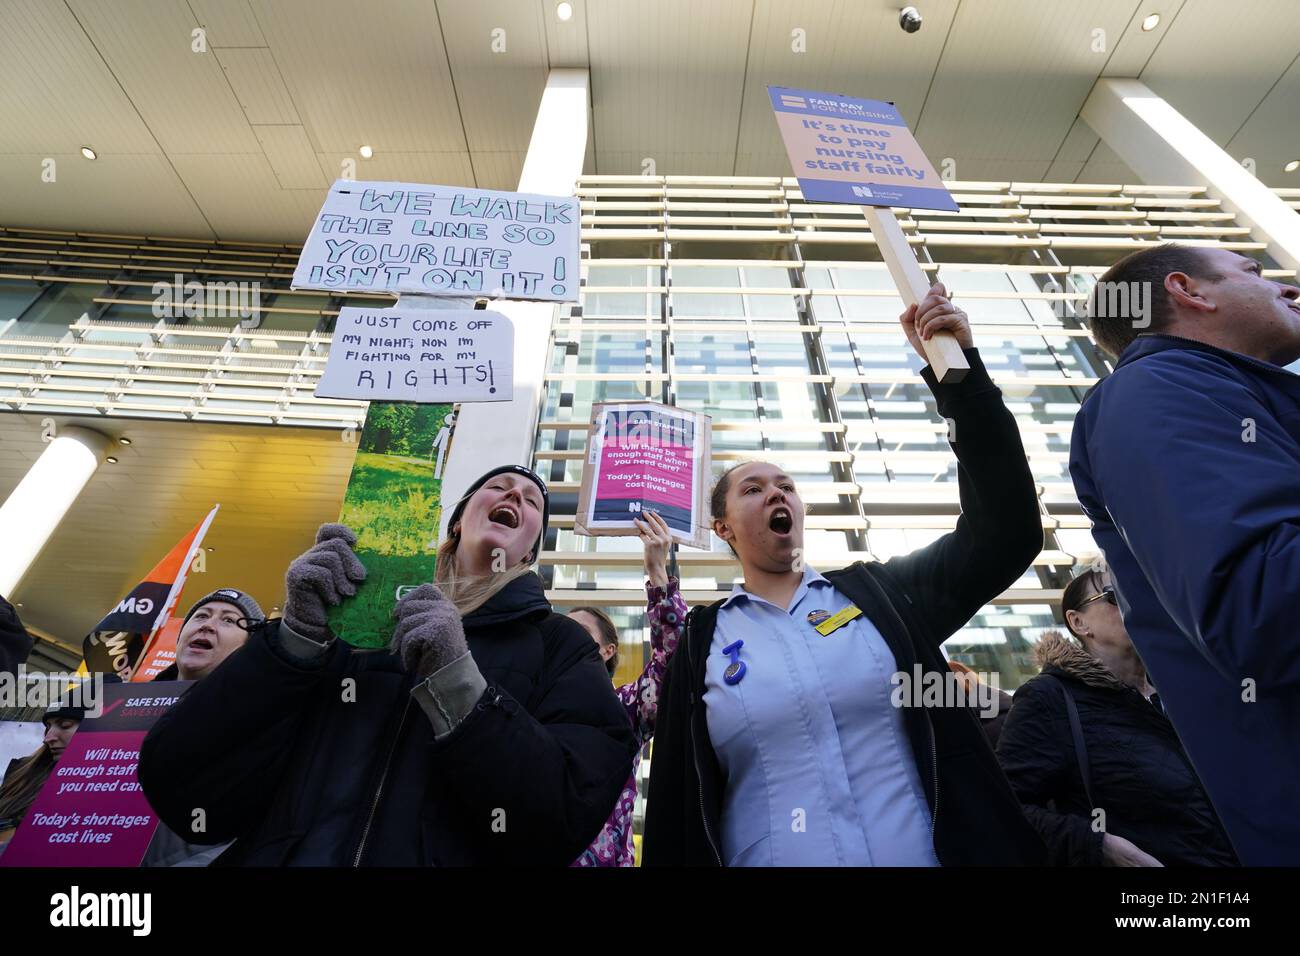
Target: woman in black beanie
point(488, 734)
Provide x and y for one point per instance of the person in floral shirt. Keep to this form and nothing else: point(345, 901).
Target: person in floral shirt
point(666, 612)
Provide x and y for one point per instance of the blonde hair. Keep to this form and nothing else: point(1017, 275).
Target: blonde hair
point(468, 594)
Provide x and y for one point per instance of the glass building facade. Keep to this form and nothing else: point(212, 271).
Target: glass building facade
point(730, 296)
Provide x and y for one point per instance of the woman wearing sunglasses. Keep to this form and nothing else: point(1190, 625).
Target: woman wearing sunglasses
point(1092, 756)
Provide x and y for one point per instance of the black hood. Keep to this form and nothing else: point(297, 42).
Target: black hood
point(524, 597)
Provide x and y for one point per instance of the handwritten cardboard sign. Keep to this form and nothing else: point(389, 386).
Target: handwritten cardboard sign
point(413, 354)
point(443, 240)
point(644, 456)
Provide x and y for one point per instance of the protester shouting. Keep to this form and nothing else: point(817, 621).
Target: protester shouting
point(779, 744)
point(216, 626)
point(666, 612)
point(1092, 756)
point(488, 733)
point(1185, 458)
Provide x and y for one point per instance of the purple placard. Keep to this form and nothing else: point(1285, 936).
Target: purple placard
point(91, 810)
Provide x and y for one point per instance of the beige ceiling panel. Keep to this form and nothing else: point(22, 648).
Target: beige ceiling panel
point(291, 157)
point(1105, 166)
point(182, 95)
point(452, 168)
point(498, 170)
point(1215, 65)
point(58, 95)
point(258, 86)
point(836, 46)
point(1065, 171)
point(1078, 143)
point(116, 193)
point(1271, 136)
point(1135, 46)
point(243, 200)
point(359, 72)
point(497, 52)
point(1013, 77)
point(566, 41)
point(229, 23)
point(666, 83)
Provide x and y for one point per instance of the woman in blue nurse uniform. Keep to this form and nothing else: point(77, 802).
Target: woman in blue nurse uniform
point(791, 732)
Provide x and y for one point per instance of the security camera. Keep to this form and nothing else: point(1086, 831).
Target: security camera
point(909, 18)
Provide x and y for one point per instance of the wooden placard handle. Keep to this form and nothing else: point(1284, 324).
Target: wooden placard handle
point(942, 349)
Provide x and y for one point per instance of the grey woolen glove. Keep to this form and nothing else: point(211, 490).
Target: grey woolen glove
point(429, 635)
point(320, 580)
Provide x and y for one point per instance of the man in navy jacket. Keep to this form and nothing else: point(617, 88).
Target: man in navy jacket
point(1187, 460)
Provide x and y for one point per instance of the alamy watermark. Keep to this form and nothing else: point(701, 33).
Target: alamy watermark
point(1108, 300)
point(922, 688)
point(28, 689)
point(194, 300)
point(125, 910)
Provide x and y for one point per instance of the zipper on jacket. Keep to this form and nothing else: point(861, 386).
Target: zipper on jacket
point(379, 790)
point(934, 771)
point(699, 779)
point(695, 750)
point(930, 725)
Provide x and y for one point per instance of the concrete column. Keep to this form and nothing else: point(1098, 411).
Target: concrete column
point(37, 506)
point(1162, 146)
point(503, 433)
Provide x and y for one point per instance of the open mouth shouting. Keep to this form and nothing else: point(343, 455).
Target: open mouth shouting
point(200, 642)
point(780, 520)
point(504, 514)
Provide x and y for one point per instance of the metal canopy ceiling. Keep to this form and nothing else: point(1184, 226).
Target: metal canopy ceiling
point(240, 139)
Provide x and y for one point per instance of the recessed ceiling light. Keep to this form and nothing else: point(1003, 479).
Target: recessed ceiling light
point(1151, 22)
point(111, 460)
point(88, 152)
point(366, 152)
point(564, 11)
point(211, 549)
point(124, 440)
point(1292, 166)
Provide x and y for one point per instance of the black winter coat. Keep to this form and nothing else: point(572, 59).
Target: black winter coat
point(337, 765)
point(917, 601)
point(1138, 772)
point(15, 642)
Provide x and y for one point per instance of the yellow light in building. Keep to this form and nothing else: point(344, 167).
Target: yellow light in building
point(564, 11)
point(1151, 22)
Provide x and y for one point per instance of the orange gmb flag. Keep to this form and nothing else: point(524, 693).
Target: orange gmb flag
point(117, 642)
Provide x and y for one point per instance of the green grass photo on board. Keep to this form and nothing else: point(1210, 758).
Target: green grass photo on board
point(393, 504)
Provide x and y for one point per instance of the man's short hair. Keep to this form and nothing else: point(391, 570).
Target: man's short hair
point(1130, 297)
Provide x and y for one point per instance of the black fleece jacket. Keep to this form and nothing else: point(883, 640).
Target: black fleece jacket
point(335, 764)
point(1139, 774)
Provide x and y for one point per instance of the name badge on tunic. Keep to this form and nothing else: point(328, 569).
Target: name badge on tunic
point(838, 620)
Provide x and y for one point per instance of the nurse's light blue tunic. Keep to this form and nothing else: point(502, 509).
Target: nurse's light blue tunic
point(819, 768)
